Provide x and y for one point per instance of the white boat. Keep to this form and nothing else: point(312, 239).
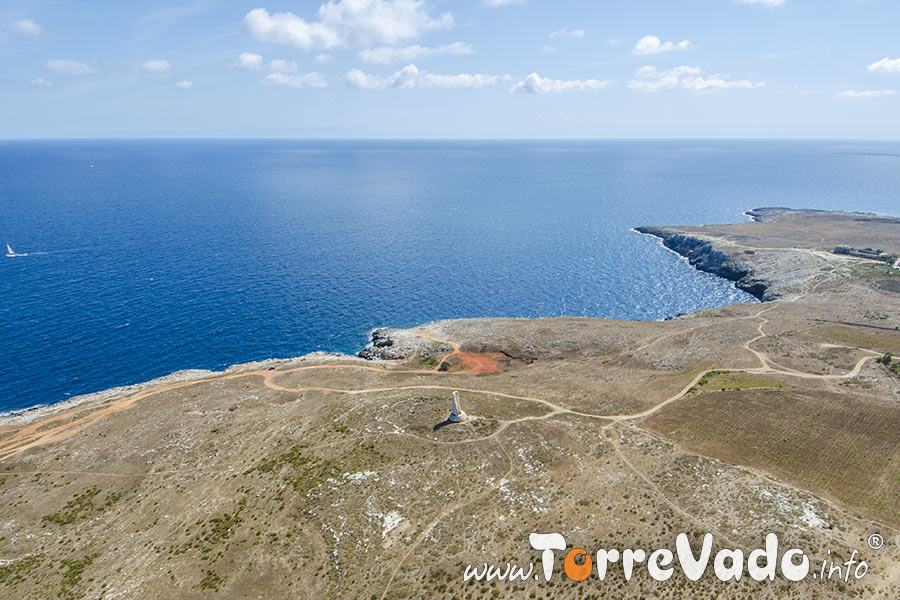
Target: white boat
point(9, 252)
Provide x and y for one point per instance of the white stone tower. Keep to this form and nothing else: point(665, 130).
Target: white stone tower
point(457, 415)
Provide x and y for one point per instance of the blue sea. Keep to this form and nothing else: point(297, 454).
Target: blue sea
point(146, 257)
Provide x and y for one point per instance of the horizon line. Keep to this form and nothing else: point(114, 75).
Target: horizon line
point(444, 139)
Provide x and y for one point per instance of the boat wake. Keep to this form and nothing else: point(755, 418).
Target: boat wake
point(10, 253)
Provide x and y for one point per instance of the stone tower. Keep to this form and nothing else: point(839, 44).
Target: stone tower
point(457, 415)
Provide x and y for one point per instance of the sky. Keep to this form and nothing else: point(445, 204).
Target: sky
point(509, 69)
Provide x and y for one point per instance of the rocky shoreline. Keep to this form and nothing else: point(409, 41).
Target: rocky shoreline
point(397, 344)
point(705, 257)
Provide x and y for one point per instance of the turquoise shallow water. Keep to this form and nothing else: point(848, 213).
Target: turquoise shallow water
point(168, 255)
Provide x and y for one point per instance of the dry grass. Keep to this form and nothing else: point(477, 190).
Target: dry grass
point(881, 340)
point(845, 447)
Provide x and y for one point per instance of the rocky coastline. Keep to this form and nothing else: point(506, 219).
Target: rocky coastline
point(703, 255)
point(779, 251)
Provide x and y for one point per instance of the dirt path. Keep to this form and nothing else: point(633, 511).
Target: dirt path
point(473, 363)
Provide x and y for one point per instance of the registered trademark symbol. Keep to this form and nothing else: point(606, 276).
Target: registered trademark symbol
point(876, 542)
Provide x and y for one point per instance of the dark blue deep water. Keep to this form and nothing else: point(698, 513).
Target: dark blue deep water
point(169, 255)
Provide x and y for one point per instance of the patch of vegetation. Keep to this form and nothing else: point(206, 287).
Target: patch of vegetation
point(429, 361)
point(221, 528)
point(869, 270)
point(304, 472)
point(293, 457)
point(216, 532)
point(81, 506)
point(888, 361)
point(211, 581)
point(726, 381)
point(71, 576)
point(111, 498)
point(18, 571)
point(315, 475)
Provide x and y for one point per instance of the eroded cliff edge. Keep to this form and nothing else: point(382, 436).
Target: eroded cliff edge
point(703, 255)
point(781, 251)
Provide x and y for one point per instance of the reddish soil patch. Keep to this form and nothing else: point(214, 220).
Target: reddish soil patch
point(482, 364)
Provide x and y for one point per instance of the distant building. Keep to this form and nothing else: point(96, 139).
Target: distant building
point(864, 253)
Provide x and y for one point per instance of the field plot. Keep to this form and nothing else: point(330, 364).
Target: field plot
point(841, 446)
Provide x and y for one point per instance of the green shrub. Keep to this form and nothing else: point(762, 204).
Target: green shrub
point(211, 581)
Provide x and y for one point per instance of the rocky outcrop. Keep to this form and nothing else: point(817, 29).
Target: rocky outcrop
point(703, 255)
point(399, 344)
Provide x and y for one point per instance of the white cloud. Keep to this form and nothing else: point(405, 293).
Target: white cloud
point(717, 82)
point(460, 80)
point(650, 44)
point(411, 77)
point(385, 55)
point(651, 79)
point(323, 59)
point(346, 23)
point(502, 2)
point(184, 85)
point(535, 84)
point(289, 29)
point(156, 66)
point(70, 67)
point(763, 2)
point(865, 94)
point(248, 61)
point(359, 79)
point(283, 66)
point(571, 33)
point(26, 27)
point(885, 65)
point(41, 82)
point(302, 80)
